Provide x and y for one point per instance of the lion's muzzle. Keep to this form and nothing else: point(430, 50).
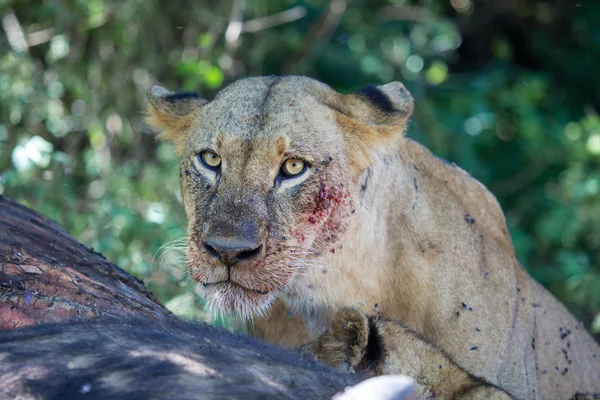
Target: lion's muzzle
point(232, 250)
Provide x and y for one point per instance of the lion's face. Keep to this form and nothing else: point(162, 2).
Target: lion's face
point(268, 178)
point(275, 195)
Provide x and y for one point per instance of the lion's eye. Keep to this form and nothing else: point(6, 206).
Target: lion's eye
point(293, 167)
point(210, 159)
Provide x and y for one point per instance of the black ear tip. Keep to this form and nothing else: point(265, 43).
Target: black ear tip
point(182, 96)
point(157, 92)
point(377, 97)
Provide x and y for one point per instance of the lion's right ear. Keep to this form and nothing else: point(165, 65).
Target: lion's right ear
point(372, 120)
point(173, 113)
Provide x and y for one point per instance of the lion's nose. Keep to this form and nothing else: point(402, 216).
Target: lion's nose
point(231, 250)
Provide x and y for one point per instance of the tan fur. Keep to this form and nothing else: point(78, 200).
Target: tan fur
point(381, 347)
point(174, 118)
point(377, 223)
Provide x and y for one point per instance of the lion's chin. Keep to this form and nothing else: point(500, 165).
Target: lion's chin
point(231, 298)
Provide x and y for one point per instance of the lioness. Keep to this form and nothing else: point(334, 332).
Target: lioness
point(302, 201)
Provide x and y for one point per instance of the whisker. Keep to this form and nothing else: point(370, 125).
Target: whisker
point(309, 262)
point(179, 259)
point(177, 244)
point(185, 276)
point(312, 269)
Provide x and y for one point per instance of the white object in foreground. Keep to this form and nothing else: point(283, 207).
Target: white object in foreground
point(386, 387)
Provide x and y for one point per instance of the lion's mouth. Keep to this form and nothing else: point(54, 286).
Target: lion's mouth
point(234, 285)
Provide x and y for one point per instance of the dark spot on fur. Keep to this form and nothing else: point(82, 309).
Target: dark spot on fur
point(474, 348)
point(470, 219)
point(375, 350)
point(365, 181)
point(533, 343)
point(372, 94)
point(416, 192)
point(458, 313)
point(440, 366)
point(187, 172)
point(564, 333)
point(566, 354)
point(478, 330)
point(263, 107)
point(464, 306)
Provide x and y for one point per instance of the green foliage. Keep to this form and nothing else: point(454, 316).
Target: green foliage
point(508, 93)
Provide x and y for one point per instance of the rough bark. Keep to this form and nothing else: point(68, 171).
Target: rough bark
point(108, 359)
point(47, 276)
point(134, 348)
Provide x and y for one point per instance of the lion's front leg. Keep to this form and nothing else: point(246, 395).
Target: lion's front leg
point(355, 343)
point(344, 344)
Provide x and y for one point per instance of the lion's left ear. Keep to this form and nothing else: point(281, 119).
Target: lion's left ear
point(173, 113)
point(373, 119)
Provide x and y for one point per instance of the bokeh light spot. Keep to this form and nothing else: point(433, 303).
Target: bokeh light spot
point(437, 73)
point(415, 64)
point(593, 143)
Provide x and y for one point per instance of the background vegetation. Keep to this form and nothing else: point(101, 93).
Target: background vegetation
point(507, 89)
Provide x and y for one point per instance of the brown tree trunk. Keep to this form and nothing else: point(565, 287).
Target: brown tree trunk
point(46, 276)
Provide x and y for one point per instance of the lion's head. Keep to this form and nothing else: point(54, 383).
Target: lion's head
point(269, 176)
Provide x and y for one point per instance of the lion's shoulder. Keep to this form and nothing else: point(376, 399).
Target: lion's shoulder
point(446, 183)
